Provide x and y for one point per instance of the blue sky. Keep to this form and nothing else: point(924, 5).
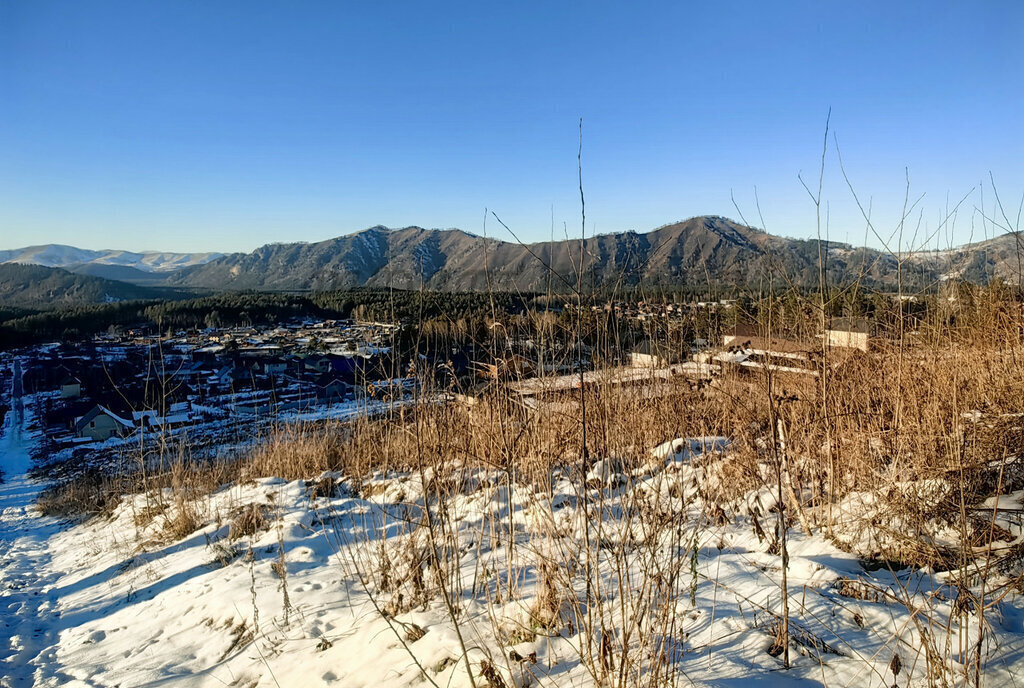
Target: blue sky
point(227, 125)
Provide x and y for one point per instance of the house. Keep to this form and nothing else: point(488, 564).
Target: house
point(853, 333)
point(70, 388)
point(649, 354)
point(189, 370)
point(348, 368)
point(317, 363)
point(101, 424)
point(331, 389)
point(222, 377)
point(176, 415)
point(272, 366)
point(170, 421)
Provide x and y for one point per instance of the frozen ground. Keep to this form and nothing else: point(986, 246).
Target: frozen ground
point(310, 583)
point(28, 599)
point(297, 601)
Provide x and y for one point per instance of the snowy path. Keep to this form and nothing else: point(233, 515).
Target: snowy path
point(28, 605)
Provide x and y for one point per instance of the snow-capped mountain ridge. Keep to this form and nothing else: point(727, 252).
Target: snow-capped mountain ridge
point(62, 256)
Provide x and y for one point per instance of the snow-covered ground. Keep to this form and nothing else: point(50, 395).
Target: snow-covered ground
point(298, 602)
point(325, 582)
point(28, 600)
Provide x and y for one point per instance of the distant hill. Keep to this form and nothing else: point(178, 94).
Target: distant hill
point(689, 253)
point(38, 288)
point(692, 253)
point(980, 263)
point(120, 273)
point(69, 257)
point(455, 260)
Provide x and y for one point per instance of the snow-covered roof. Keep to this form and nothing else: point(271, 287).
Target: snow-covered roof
point(622, 375)
point(99, 410)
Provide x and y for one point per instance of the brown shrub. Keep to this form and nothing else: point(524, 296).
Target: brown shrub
point(248, 520)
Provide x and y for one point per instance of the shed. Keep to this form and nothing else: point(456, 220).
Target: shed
point(853, 333)
point(70, 388)
point(331, 389)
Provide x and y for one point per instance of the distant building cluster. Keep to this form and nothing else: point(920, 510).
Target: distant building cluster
point(138, 384)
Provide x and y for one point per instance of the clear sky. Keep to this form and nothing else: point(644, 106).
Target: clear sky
point(226, 125)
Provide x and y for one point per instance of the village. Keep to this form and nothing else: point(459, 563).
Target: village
point(220, 387)
point(142, 386)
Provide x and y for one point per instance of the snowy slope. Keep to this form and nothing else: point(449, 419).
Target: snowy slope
point(27, 578)
point(625, 579)
point(60, 256)
point(335, 587)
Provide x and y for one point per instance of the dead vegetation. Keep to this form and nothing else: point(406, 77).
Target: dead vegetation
point(248, 520)
point(899, 455)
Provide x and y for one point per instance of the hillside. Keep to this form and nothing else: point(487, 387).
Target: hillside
point(37, 287)
point(68, 257)
point(689, 253)
point(120, 273)
point(684, 253)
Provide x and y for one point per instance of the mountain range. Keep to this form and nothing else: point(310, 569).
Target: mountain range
point(149, 267)
point(693, 252)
